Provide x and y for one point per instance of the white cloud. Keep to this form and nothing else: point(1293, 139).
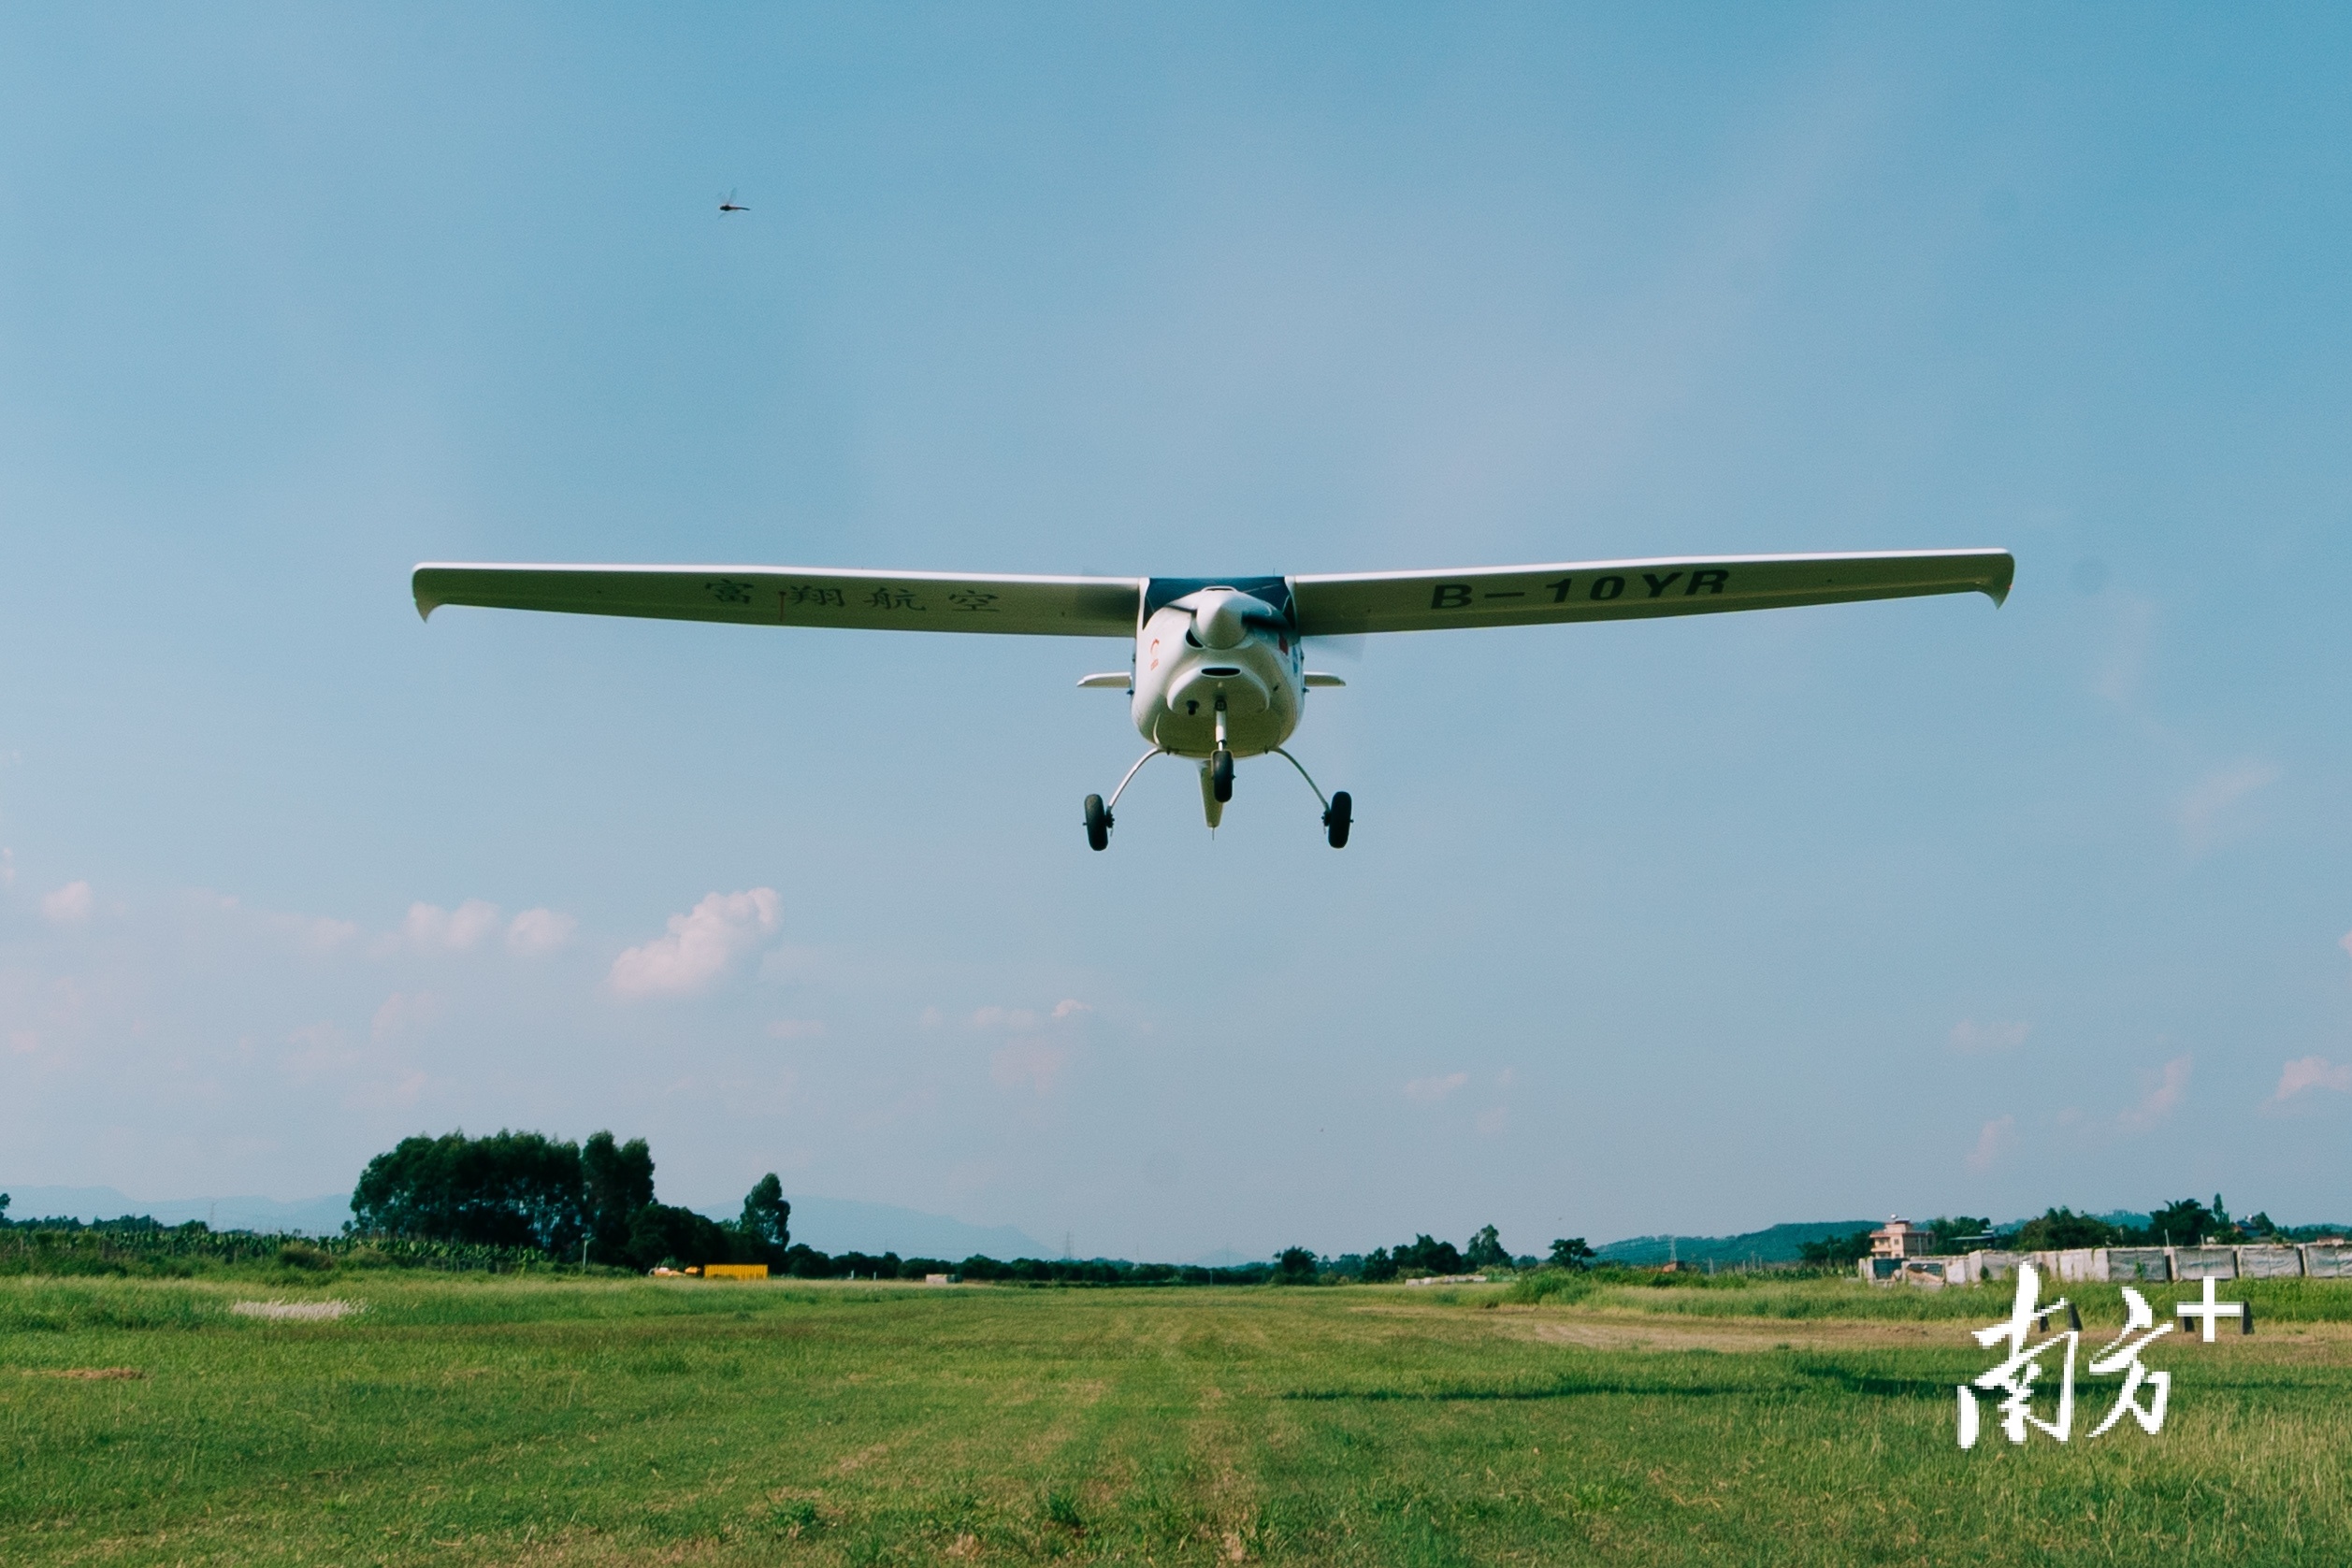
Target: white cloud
point(429, 926)
point(1035, 1062)
point(70, 905)
point(539, 930)
point(2202, 813)
point(1435, 1089)
point(317, 1049)
point(313, 933)
point(2164, 1094)
point(1973, 1038)
point(700, 945)
point(2311, 1073)
point(401, 1012)
point(1016, 1019)
point(1070, 1007)
point(1991, 1139)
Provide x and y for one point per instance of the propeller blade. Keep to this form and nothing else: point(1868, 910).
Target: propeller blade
point(1348, 649)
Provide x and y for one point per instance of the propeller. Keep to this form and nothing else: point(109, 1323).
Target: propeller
point(1223, 617)
point(1348, 647)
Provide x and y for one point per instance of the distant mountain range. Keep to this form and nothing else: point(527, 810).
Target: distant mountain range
point(1779, 1244)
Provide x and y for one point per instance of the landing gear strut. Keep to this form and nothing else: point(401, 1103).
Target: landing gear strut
point(1220, 761)
point(1098, 811)
point(1340, 812)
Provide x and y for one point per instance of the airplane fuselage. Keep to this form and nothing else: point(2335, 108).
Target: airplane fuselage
point(1184, 679)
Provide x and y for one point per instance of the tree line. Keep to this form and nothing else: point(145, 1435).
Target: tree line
point(2183, 1222)
point(592, 1202)
point(1483, 1253)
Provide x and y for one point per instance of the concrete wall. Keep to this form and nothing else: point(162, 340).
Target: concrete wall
point(2138, 1262)
point(2204, 1262)
point(2151, 1264)
point(2270, 1262)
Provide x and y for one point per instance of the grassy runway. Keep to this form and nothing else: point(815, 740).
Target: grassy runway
point(499, 1420)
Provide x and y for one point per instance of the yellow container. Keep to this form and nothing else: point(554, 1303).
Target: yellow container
point(734, 1270)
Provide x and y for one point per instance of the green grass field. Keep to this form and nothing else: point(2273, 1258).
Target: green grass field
point(493, 1421)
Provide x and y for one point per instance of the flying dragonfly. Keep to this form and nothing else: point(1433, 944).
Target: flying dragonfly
point(1219, 669)
point(727, 203)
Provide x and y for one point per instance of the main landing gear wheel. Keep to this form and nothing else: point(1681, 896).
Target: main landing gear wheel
point(1220, 774)
point(1098, 824)
point(1335, 820)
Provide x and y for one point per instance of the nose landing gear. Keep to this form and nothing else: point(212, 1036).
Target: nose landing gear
point(1220, 761)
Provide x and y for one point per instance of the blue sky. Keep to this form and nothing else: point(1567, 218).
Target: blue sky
point(1698, 926)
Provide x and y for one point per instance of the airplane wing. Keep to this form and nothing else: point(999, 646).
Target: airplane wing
point(792, 597)
point(1345, 605)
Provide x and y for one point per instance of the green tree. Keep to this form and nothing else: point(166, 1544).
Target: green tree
point(2060, 1229)
point(661, 1236)
point(1950, 1234)
point(1429, 1256)
point(768, 1221)
point(1486, 1251)
point(508, 1189)
point(2186, 1222)
point(1379, 1267)
point(1835, 1251)
point(1296, 1265)
point(615, 1181)
point(1569, 1252)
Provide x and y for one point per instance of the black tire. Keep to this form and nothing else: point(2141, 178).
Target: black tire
point(1098, 824)
point(1337, 820)
point(1220, 775)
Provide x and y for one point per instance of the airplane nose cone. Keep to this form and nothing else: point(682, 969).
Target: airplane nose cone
point(1221, 618)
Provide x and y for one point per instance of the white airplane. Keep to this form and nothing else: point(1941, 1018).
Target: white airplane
point(1219, 664)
